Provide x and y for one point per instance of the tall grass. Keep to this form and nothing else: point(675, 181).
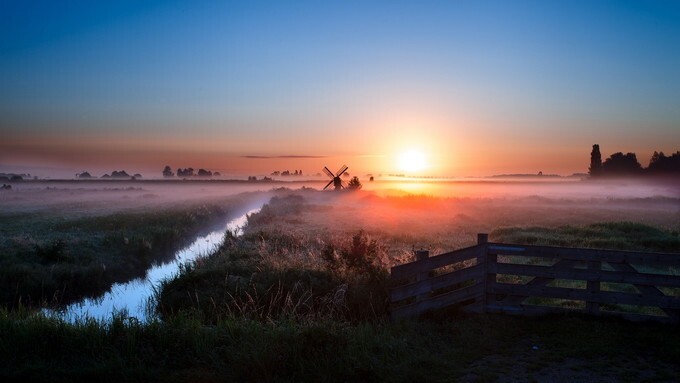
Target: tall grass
point(475, 348)
point(278, 279)
point(606, 235)
point(61, 260)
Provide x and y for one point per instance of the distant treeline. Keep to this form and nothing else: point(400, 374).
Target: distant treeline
point(286, 173)
point(188, 172)
point(13, 176)
point(619, 164)
point(118, 174)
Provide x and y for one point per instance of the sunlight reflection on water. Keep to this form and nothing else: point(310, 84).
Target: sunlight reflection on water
point(133, 297)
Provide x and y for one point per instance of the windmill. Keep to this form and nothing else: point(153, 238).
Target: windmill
point(336, 181)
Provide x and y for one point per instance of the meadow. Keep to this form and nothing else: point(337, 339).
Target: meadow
point(302, 295)
point(59, 245)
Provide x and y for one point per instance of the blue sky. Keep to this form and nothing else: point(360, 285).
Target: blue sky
point(281, 78)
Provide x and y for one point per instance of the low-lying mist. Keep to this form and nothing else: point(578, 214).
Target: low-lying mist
point(102, 198)
point(410, 207)
point(442, 224)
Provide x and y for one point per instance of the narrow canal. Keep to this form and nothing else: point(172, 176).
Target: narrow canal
point(134, 297)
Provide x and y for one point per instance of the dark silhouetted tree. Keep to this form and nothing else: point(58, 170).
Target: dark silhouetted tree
point(188, 172)
point(120, 174)
point(619, 164)
point(662, 164)
point(595, 162)
point(84, 175)
point(354, 183)
point(167, 172)
point(204, 173)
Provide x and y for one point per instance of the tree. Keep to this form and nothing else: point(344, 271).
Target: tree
point(188, 172)
point(662, 164)
point(167, 172)
point(354, 183)
point(204, 173)
point(619, 164)
point(119, 174)
point(595, 162)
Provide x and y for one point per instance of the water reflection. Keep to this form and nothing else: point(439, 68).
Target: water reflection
point(134, 297)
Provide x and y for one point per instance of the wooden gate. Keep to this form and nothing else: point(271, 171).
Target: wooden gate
point(524, 279)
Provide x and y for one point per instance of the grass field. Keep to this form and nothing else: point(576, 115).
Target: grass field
point(47, 257)
point(482, 348)
point(608, 235)
point(302, 296)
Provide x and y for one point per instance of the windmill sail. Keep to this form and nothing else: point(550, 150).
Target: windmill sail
point(328, 172)
point(336, 181)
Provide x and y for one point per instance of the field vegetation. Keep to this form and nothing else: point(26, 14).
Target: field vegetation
point(480, 348)
point(302, 296)
point(315, 277)
point(49, 258)
point(607, 235)
point(268, 275)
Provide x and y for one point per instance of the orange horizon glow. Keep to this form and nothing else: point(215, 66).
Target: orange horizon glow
point(449, 146)
point(404, 151)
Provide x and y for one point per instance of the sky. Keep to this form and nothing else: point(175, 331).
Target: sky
point(473, 88)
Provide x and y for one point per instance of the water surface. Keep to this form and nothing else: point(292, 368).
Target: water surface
point(134, 297)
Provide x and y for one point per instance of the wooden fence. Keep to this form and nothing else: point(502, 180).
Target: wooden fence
point(523, 279)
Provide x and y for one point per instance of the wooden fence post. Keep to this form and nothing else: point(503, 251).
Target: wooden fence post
point(490, 279)
point(593, 287)
point(482, 259)
point(420, 255)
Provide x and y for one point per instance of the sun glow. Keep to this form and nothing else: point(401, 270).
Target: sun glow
point(412, 161)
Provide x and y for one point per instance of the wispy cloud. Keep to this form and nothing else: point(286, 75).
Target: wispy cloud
point(288, 156)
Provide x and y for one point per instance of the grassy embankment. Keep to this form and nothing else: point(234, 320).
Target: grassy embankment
point(303, 304)
point(49, 258)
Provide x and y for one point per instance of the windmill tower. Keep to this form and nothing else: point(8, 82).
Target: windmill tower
point(336, 181)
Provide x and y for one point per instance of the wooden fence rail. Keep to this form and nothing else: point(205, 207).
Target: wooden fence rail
point(525, 279)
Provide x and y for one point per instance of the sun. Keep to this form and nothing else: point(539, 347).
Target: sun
point(412, 161)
